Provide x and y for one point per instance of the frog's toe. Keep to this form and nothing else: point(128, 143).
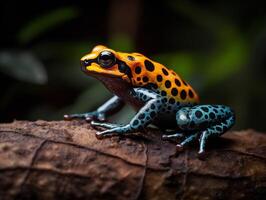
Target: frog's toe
point(89, 118)
point(165, 137)
point(104, 125)
point(95, 116)
point(179, 147)
point(101, 117)
point(172, 136)
point(94, 123)
point(73, 116)
point(99, 136)
point(202, 155)
point(68, 117)
point(105, 134)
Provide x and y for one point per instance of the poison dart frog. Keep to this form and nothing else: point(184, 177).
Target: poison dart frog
point(159, 95)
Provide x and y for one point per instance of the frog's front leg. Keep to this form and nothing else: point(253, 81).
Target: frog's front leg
point(144, 117)
point(206, 121)
point(110, 107)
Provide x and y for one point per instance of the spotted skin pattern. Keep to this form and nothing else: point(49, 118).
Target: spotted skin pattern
point(158, 94)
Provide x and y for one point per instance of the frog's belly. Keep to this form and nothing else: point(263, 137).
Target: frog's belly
point(165, 121)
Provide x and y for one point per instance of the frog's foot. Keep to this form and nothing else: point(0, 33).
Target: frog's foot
point(172, 136)
point(99, 116)
point(120, 130)
point(185, 142)
point(105, 125)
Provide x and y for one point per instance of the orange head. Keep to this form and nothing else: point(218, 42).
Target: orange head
point(102, 61)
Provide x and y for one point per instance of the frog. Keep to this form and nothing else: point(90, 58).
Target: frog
point(159, 96)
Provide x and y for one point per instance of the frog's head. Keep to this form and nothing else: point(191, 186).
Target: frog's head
point(105, 62)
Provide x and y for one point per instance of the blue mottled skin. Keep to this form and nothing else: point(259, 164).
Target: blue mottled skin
point(192, 121)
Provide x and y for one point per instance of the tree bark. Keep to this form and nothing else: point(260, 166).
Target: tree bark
point(64, 160)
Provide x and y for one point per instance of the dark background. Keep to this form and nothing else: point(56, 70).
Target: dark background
point(217, 46)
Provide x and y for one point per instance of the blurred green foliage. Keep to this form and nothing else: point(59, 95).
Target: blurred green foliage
point(205, 43)
point(46, 22)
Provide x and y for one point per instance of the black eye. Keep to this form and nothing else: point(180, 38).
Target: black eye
point(106, 59)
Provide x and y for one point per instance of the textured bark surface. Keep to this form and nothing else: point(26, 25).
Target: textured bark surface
point(64, 160)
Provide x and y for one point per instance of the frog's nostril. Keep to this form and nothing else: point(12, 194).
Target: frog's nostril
point(84, 64)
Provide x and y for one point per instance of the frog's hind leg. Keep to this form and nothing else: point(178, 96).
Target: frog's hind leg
point(215, 130)
point(206, 120)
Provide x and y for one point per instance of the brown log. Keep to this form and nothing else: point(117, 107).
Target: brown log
point(64, 160)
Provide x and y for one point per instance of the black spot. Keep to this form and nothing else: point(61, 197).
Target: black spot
point(198, 114)
point(218, 128)
point(124, 68)
point(177, 82)
point(149, 66)
point(131, 58)
point(169, 107)
point(151, 86)
point(183, 94)
point(138, 79)
point(145, 79)
point(185, 83)
point(163, 109)
point(173, 73)
point(155, 86)
point(152, 106)
point(165, 71)
point(167, 84)
point(171, 100)
point(215, 110)
point(159, 78)
point(206, 116)
point(152, 114)
point(136, 122)
point(163, 93)
point(212, 115)
point(205, 109)
point(138, 70)
point(142, 116)
point(174, 91)
point(190, 93)
point(164, 100)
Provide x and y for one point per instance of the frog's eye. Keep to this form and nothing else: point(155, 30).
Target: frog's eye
point(106, 59)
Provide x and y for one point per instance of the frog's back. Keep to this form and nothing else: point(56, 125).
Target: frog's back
point(155, 76)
